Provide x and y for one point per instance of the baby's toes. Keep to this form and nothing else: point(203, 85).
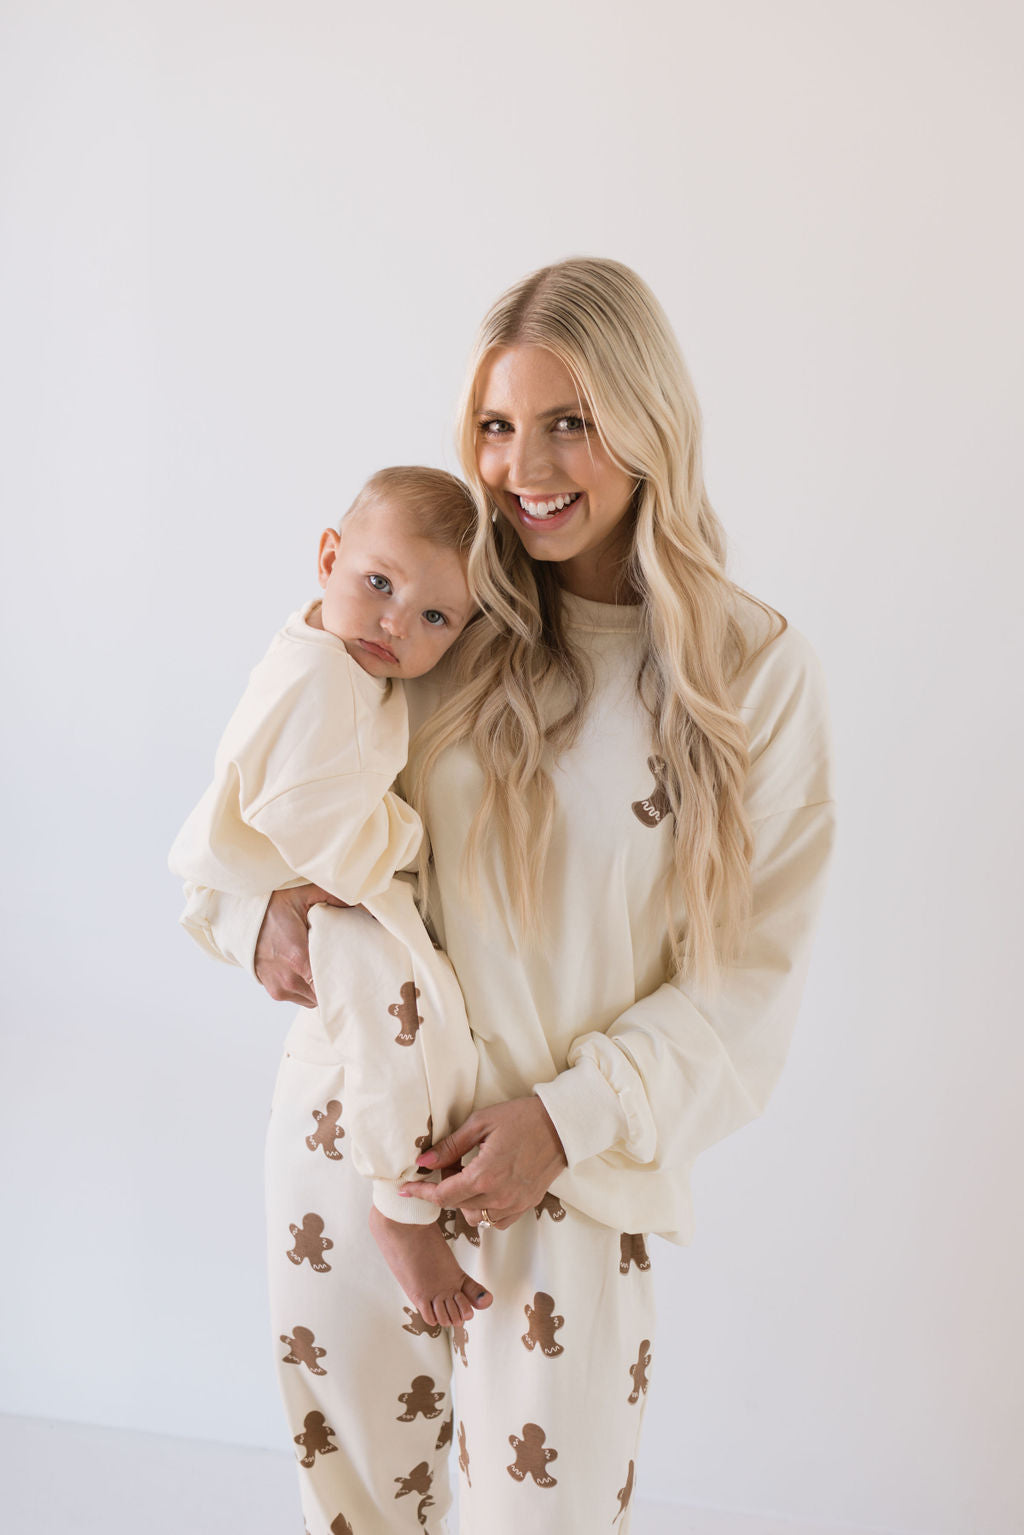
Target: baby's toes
point(478, 1296)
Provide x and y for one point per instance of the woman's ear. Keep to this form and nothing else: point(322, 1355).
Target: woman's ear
point(330, 543)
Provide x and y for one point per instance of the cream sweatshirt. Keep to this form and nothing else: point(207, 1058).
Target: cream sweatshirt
point(302, 779)
point(639, 1069)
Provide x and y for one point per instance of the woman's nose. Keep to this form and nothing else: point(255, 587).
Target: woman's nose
point(529, 464)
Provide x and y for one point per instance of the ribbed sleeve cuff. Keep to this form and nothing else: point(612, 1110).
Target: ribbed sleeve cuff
point(585, 1110)
point(227, 926)
point(408, 1212)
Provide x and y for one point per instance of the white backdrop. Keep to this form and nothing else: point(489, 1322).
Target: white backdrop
point(244, 250)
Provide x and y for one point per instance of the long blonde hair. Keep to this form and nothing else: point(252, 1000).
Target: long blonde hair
point(604, 324)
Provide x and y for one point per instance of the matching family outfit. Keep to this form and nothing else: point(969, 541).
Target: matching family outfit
point(539, 1400)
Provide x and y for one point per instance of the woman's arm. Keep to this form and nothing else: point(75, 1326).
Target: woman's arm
point(678, 1070)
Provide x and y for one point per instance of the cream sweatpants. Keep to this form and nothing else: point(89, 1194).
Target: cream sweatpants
point(539, 1399)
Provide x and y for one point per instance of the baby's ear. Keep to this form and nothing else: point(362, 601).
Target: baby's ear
point(330, 542)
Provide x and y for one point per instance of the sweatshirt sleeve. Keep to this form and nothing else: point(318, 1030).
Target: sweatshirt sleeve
point(684, 1067)
point(302, 784)
point(224, 926)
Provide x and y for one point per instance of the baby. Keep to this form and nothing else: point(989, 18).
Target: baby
point(302, 793)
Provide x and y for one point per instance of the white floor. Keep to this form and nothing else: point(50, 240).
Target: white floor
point(74, 1479)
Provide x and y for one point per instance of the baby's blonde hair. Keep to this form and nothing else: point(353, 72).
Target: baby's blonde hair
point(604, 324)
point(439, 506)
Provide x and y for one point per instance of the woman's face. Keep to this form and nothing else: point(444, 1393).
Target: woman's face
point(549, 474)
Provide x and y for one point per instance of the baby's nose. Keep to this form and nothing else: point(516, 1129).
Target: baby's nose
point(392, 623)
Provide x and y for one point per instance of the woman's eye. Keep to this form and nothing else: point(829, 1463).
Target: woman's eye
point(571, 424)
point(435, 618)
point(379, 583)
point(493, 427)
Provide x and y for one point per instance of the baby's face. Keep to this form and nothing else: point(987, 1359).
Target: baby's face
point(397, 600)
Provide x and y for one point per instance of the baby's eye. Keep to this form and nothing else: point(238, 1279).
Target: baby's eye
point(379, 583)
point(436, 619)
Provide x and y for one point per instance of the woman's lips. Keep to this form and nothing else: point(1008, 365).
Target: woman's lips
point(380, 651)
point(551, 520)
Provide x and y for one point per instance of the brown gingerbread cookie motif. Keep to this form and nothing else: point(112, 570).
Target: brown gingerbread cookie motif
point(302, 1349)
point(632, 1249)
point(531, 1456)
point(454, 1224)
point(447, 1429)
point(418, 1327)
point(327, 1131)
point(463, 1453)
point(315, 1439)
point(311, 1243)
point(653, 810)
point(625, 1493)
point(424, 1142)
point(639, 1371)
point(543, 1326)
point(405, 1012)
point(552, 1205)
point(460, 1337)
point(419, 1481)
point(420, 1398)
point(341, 1526)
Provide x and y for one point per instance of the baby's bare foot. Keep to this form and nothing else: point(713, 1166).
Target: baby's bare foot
point(425, 1267)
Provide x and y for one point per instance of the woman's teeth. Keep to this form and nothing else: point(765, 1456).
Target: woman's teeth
point(548, 508)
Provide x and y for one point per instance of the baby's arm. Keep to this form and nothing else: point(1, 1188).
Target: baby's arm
point(302, 783)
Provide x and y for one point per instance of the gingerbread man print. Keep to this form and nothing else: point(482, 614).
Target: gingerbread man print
point(341, 1526)
point(418, 1327)
point(625, 1493)
point(315, 1439)
point(310, 1243)
point(424, 1142)
point(405, 1012)
point(639, 1371)
point(454, 1224)
point(418, 1481)
point(447, 1429)
point(463, 1453)
point(460, 1337)
point(327, 1131)
point(543, 1325)
point(632, 1249)
point(302, 1349)
point(653, 810)
point(420, 1398)
point(531, 1456)
point(553, 1205)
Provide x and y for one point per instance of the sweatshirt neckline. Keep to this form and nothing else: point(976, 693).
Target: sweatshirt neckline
point(610, 617)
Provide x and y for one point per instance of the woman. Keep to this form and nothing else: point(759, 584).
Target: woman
point(625, 778)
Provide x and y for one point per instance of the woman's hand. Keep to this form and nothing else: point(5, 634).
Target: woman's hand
point(520, 1156)
point(282, 948)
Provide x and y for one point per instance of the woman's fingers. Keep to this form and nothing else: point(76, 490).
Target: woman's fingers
point(452, 1148)
point(450, 1194)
